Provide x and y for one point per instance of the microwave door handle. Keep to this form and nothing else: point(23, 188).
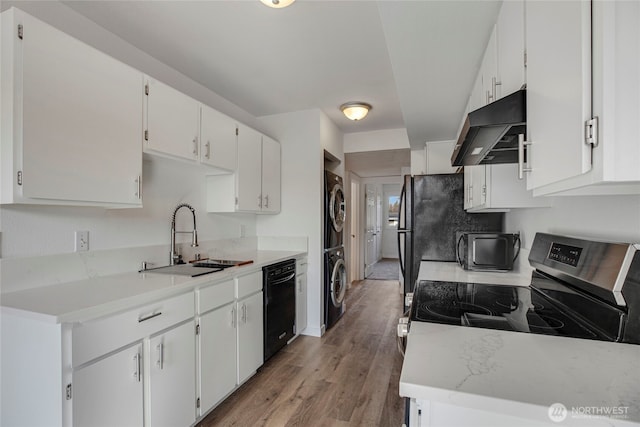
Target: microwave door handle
point(458, 249)
point(517, 240)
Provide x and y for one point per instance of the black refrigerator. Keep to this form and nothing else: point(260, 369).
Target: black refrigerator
point(431, 213)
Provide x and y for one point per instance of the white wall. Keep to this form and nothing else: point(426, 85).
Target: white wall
point(438, 157)
point(388, 139)
point(610, 218)
point(301, 135)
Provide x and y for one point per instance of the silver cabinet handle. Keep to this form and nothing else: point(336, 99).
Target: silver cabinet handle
point(266, 201)
point(195, 146)
point(244, 313)
point(160, 350)
point(260, 201)
point(138, 192)
point(494, 83)
point(149, 317)
point(233, 317)
point(208, 146)
point(521, 168)
point(136, 367)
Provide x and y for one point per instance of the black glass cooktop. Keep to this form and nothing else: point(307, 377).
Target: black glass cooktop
point(512, 308)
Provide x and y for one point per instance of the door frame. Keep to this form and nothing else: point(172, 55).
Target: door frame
point(353, 244)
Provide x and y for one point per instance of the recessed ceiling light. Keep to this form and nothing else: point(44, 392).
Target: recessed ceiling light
point(355, 110)
point(277, 4)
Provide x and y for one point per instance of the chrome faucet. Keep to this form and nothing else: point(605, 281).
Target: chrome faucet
point(174, 258)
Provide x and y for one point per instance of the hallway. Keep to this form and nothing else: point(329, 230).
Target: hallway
point(349, 377)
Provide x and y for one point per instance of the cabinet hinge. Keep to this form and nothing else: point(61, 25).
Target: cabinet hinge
point(68, 391)
point(146, 89)
point(198, 329)
point(146, 135)
point(19, 177)
point(198, 403)
point(591, 132)
point(20, 31)
point(236, 201)
point(525, 59)
point(236, 131)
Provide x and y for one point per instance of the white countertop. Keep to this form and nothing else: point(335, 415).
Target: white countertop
point(514, 373)
point(88, 299)
point(452, 272)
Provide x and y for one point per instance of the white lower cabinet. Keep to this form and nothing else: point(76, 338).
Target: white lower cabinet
point(301, 295)
point(250, 335)
point(172, 377)
point(109, 392)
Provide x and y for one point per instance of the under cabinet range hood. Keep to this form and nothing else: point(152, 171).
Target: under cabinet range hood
point(490, 134)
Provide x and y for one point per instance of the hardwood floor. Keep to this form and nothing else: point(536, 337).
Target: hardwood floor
point(349, 377)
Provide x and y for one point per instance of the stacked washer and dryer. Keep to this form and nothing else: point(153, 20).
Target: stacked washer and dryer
point(335, 274)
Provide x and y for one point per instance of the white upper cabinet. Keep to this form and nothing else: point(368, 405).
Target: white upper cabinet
point(558, 35)
point(71, 120)
point(270, 175)
point(489, 70)
point(255, 185)
point(218, 139)
point(172, 125)
point(593, 46)
point(249, 178)
point(510, 48)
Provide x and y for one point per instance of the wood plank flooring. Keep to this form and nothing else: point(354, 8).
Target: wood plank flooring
point(349, 377)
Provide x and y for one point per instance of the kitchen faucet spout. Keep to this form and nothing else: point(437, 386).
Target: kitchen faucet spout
point(173, 256)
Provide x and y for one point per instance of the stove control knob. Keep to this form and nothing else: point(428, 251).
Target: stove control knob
point(408, 298)
point(403, 327)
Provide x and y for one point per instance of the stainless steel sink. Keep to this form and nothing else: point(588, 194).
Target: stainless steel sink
point(192, 270)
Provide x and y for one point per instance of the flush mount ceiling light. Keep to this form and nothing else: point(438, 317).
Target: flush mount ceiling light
point(355, 110)
point(277, 4)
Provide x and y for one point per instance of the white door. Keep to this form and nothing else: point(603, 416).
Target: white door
point(173, 122)
point(558, 96)
point(109, 392)
point(249, 181)
point(172, 379)
point(218, 145)
point(270, 175)
point(218, 355)
point(355, 209)
point(81, 118)
point(250, 335)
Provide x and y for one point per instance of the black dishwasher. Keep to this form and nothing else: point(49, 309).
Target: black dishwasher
point(279, 305)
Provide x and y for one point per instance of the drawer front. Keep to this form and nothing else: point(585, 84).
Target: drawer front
point(301, 266)
point(215, 296)
point(249, 284)
point(96, 338)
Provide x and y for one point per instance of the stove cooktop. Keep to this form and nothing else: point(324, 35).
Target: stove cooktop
point(514, 308)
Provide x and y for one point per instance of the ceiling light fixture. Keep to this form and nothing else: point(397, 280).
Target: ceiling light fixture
point(277, 4)
point(355, 110)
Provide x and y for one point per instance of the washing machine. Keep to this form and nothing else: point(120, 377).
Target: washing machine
point(335, 213)
point(335, 285)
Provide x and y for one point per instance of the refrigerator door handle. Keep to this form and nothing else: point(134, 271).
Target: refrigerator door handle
point(400, 260)
point(401, 208)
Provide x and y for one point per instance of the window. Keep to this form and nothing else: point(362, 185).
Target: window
point(394, 210)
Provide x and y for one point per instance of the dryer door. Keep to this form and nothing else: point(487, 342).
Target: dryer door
point(337, 210)
point(338, 282)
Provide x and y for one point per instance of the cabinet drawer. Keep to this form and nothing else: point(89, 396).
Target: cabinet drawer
point(215, 296)
point(93, 339)
point(249, 284)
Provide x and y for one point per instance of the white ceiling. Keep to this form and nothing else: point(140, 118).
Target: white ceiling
point(414, 61)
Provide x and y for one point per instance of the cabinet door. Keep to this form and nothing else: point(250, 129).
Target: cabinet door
point(109, 392)
point(270, 175)
point(250, 335)
point(81, 122)
point(510, 47)
point(172, 378)
point(301, 302)
point(489, 69)
point(172, 122)
point(218, 139)
point(218, 355)
point(249, 174)
point(558, 37)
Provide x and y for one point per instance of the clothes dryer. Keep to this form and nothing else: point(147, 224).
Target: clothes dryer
point(335, 280)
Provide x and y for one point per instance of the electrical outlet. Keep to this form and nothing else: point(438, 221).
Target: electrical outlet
point(82, 241)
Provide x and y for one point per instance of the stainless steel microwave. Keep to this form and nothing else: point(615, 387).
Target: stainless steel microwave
point(487, 251)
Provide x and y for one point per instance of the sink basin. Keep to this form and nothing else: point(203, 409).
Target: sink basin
point(221, 263)
point(184, 270)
